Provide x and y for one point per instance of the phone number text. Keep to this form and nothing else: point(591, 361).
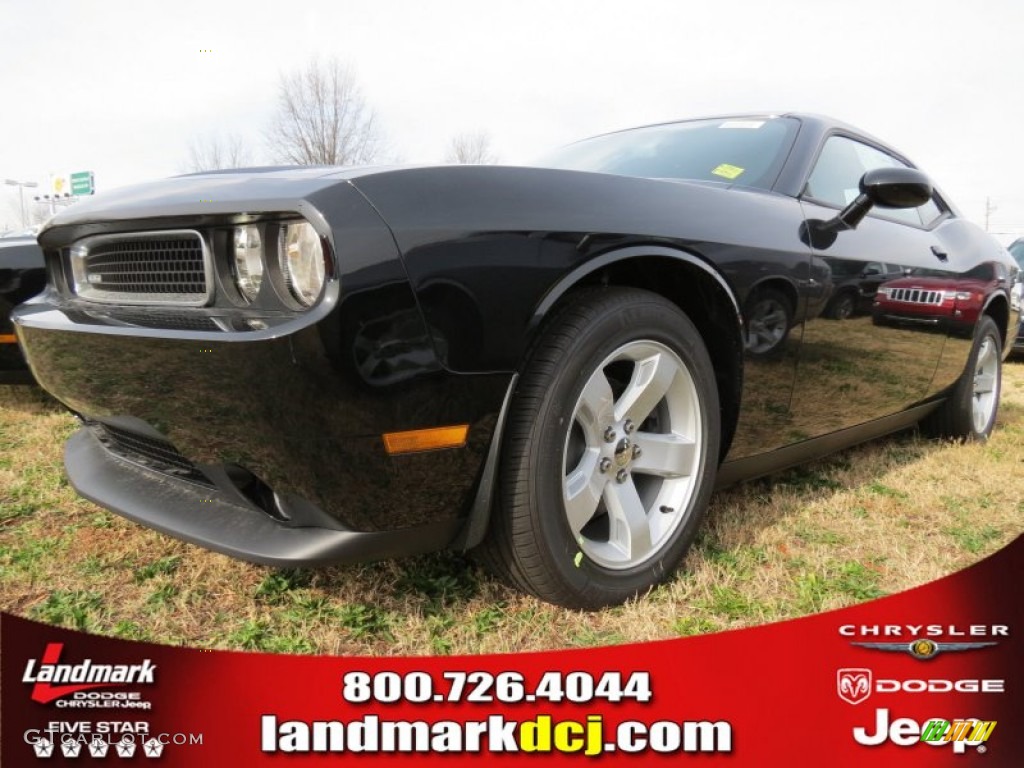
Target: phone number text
point(486, 687)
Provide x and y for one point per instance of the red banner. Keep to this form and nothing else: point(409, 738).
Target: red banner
point(929, 677)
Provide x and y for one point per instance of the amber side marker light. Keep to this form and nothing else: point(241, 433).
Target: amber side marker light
point(417, 440)
point(8, 338)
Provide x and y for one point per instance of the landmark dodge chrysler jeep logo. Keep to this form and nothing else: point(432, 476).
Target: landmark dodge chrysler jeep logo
point(853, 685)
point(934, 732)
point(923, 648)
point(79, 677)
point(919, 639)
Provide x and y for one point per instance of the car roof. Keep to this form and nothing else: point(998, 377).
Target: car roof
point(817, 123)
point(822, 122)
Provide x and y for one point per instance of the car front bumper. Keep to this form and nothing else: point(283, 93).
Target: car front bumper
point(218, 518)
point(266, 446)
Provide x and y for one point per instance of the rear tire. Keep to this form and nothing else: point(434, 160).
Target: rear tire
point(609, 454)
point(970, 411)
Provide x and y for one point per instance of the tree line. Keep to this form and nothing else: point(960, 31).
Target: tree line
point(322, 117)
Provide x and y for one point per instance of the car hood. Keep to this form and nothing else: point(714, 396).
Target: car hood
point(196, 194)
point(937, 283)
point(236, 191)
point(418, 198)
point(927, 283)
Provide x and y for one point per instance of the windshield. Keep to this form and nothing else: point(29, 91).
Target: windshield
point(744, 151)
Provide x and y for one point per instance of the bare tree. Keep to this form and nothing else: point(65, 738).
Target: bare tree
point(471, 149)
point(323, 119)
point(213, 152)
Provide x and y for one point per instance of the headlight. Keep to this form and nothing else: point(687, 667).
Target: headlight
point(302, 259)
point(248, 261)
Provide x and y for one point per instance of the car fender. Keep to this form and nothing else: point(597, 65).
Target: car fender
point(579, 273)
point(1012, 322)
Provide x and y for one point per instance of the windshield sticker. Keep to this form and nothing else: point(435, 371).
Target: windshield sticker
point(728, 171)
point(750, 125)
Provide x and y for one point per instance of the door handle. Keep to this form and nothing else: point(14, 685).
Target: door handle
point(940, 254)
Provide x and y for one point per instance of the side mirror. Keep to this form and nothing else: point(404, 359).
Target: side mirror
point(884, 187)
point(896, 187)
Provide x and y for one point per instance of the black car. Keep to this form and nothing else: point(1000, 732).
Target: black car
point(22, 275)
point(1017, 251)
point(302, 366)
point(855, 284)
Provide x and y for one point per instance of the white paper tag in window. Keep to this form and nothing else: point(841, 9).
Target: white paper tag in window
point(750, 125)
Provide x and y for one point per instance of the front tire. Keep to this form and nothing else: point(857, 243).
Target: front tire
point(610, 451)
point(842, 307)
point(970, 411)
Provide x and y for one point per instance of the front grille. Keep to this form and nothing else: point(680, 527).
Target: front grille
point(158, 455)
point(915, 296)
point(143, 268)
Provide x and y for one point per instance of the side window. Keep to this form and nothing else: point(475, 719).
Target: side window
point(837, 173)
point(929, 212)
point(835, 179)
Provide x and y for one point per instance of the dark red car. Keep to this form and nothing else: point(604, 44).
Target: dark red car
point(933, 297)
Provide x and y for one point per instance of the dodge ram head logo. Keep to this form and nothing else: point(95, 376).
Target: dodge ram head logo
point(853, 685)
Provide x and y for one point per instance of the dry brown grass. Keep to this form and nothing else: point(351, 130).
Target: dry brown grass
point(869, 521)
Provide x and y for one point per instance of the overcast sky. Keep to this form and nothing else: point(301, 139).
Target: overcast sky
point(120, 87)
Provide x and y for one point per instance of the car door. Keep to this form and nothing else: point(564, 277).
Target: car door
point(859, 368)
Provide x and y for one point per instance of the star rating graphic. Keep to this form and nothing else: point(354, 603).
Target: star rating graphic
point(125, 748)
point(43, 748)
point(153, 748)
point(98, 747)
point(71, 748)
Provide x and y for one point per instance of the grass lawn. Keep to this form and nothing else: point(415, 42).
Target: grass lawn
point(869, 521)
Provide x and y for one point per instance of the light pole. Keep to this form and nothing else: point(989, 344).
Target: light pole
point(21, 191)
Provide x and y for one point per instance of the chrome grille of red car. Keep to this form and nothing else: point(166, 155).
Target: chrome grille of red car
point(171, 267)
point(915, 296)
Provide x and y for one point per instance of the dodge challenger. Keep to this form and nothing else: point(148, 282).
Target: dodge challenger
point(554, 365)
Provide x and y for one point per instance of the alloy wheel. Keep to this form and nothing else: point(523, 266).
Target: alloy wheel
point(985, 389)
point(767, 325)
point(631, 456)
